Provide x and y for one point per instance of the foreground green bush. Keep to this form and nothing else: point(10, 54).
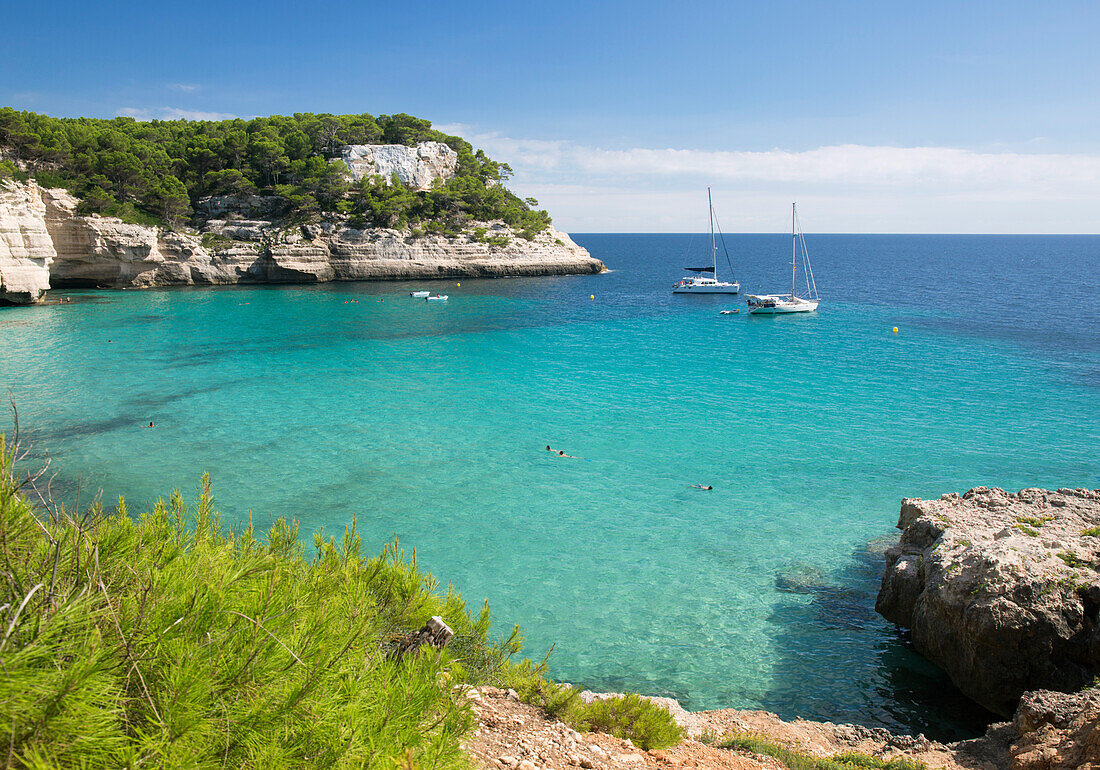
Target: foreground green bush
point(630, 716)
point(796, 760)
point(166, 641)
point(647, 725)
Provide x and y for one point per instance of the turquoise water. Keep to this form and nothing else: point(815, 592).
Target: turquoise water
point(429, 422)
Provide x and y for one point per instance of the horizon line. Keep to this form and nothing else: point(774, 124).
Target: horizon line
point(763, 232)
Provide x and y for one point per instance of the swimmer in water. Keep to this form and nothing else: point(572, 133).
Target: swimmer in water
point(561, 453)
point(700, 486)
point(150, 424)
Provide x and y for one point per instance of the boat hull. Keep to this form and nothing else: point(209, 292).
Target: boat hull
point(720, 288)
point(808, 306)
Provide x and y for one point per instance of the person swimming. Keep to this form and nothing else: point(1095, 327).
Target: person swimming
point(700, 486)
point(150, 425)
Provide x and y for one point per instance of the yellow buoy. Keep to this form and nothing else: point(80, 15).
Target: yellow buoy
point(895, 330)
point(458, 284)
point(592, 296)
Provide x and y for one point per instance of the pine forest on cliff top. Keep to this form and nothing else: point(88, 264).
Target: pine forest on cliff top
point(155, 172)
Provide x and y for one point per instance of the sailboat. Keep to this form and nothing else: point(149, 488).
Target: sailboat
point(774, 304)
point(700, 284)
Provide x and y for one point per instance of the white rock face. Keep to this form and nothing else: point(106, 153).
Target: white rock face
point(26, 249)
point(417, 167)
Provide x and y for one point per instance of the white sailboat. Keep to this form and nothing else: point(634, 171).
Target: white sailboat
point(699, 284)
point(775, 304)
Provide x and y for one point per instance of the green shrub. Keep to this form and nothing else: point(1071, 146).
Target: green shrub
point(854, 759)
point(214, 242)
point(796, 760)
point(631, 716)
point(1091, 532)
point(167, 641)
point(9, 169)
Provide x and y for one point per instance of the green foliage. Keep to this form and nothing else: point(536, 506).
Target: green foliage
point(165, 640)
point(1091, 532)
point(631, 716)
point(855, 759)
point(1027, 530)
point(217, 243)
point(627, 716)
point(12, 171)
point(1073, 560)
point(159, 169)
point(796, 760)
point(1034, 521)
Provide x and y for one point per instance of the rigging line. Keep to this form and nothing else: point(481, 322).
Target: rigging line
point(723, 239)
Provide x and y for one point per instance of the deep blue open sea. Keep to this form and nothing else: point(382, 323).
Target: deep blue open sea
point(429, 421)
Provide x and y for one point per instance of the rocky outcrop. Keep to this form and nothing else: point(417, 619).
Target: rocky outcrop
point(103, 251)
point(26, 248)
point(417, 167)
point(1000, 590)
point(43, 241)
point(1057, 731)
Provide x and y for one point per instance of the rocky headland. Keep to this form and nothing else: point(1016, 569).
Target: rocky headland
point(1000, 590)
point(45, 243)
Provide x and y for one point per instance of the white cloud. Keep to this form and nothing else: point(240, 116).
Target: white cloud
point(185, 87)
point(171, 113)
point(850, 188)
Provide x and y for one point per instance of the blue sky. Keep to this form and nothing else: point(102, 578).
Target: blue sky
point(876, 116)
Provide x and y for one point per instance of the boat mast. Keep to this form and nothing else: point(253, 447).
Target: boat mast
point(713, 249)
point(794, 249)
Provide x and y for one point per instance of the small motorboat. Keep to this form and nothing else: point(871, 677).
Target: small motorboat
point(420, 294)
point(436, 298)
point(729, 312)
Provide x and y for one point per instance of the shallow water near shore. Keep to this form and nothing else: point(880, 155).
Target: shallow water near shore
point(429, 422)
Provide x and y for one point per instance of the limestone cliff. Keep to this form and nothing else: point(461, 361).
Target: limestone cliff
point(44, 242)
point(26, 248)
point(1000, 590)
point(417, 167)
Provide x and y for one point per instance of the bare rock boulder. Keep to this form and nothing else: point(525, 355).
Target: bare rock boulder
point(1057, 731)
point(1000, 590)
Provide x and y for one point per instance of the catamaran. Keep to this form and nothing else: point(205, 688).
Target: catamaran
point(774, 304)
point(700, 284)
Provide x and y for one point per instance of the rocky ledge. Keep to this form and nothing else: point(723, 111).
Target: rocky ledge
point(1050, 731)
point(44, 243)
point(1000, 590)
